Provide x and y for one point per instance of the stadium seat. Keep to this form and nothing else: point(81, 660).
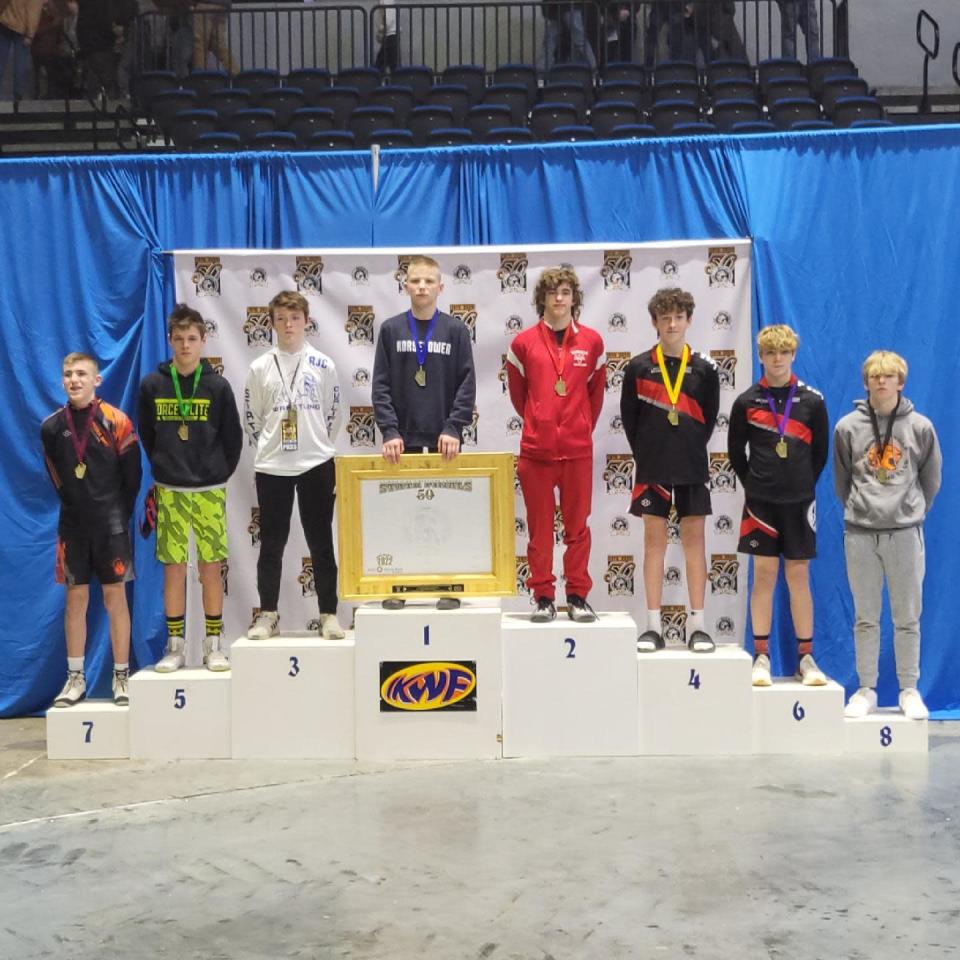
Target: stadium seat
point(722, 70)
point(512, 95)
point(776, 67)
point(149, 84)
point(623, 70)
point(247, 123)
point(311, 80)
point(364, 120)
point(189, 124)
point(697, 129)
point(472, 77)
point(341, 100)
point(283, 101)
point(453, 95)
point(332, 140)
point(204, 82)
point(168, 103)
point(836, 87)
point(400, 98)
point(449, 137)
point(482, 118)
point(608, 114)
point(668, 70)
point(306, 121)
point(676, 90)
point(848, 109)
point(787, 112)
point(810, 125)
point(257, 82)
point(633, 131)
point(546, 116)
point(508, 135)
point(418, 78)
point(668, 113)
point(578, 73)
point(821, 70)
point(216, 142)
point(569, 93)
point(727, 113)
point(786, 88)
point(733, 90)
point(422, 120)
point(226, 102)
point(754, 126)
point(862, 124)
point(520, 73)
point(630, 90)
point(573, 133)
point(274, 140)
point(390, 139)
point(365, 79)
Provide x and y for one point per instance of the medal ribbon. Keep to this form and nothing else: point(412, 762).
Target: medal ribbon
point(288, 394)
point(421, 345)
point(673, 389)
point(781, 422)
point(558, 359)
point(881, 448)
point(185, 405)
point(80, 443)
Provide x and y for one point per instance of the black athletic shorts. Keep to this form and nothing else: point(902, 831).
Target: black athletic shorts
point(779, 529)
point(108, 558)
point(690, 499)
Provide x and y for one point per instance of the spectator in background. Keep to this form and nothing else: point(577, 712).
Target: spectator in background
point(706, 21)
point(176, 34)
point(804, 14)
point(54, 50)
point(564, 30)
point(387, 55)
point(210, 35)
point(105, 37)
point(619, 31)
point(19, 20)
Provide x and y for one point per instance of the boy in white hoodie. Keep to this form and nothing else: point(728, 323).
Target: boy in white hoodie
point(886, 469)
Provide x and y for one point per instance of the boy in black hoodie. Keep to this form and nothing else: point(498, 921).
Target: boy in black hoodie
point(191, 432)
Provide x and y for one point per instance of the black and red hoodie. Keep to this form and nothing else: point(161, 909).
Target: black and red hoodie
point(663, 453)
point(762, 472)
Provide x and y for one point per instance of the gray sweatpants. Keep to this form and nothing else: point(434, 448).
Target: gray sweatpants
point(898, 556)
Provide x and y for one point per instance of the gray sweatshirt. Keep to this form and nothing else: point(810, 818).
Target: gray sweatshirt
point(912, 461)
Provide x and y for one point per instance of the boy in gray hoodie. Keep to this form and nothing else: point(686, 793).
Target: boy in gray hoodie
point(886, 470)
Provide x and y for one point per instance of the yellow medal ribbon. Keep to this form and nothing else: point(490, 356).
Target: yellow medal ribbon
point(673, 389)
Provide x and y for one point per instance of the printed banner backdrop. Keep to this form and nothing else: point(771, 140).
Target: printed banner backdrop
point(490, 289)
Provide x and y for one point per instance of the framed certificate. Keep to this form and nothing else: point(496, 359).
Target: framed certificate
point(426, 527)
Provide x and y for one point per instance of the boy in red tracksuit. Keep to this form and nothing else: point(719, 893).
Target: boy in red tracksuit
point(556, 371)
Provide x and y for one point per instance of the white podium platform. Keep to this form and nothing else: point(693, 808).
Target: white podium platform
point(92, 730)
point(886, 731)
point(292, 697)
point(570, 689)
point(181, 715)
point(695, 703)
point(400, 643)
point(791, 718)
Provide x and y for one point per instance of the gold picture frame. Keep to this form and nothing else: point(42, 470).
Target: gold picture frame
point(426, 527)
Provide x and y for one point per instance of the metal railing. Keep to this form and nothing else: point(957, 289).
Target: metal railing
point(930, 52)
point(246, 35)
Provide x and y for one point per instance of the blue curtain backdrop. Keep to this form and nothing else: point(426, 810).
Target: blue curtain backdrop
point(855, 245)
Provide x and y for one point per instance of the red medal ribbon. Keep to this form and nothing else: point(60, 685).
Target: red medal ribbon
point(558, 363)
point(80, 443)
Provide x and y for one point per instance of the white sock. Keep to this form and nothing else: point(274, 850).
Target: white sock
point(75, 664)
point(695, 621)
point(653, 620)
point(117, 667)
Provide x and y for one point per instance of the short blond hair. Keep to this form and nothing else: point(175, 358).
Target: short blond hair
point(71, 358)
point(289, 300)
point(777, 337)
point(884, 361)
point(420, 260)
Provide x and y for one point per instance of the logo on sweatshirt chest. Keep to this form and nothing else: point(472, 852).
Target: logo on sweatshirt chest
point(579, 356)
point(168, 408)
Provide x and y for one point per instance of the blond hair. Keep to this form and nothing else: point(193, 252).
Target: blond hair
point(71, 358)
point(884, 361)
point(420, 260)
point(777, 337)
point(289, 300)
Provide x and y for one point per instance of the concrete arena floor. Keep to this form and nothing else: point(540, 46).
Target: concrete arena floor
point(781, 857)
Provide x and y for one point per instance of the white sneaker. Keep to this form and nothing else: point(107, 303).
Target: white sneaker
point(265, 625)
point(862, 703)
point(912, 705)
point(74, 690)
point(173, 659)
point(809, 674)
point(330, 628)
point(121, 691)
point(761, 671)
point(214, 659)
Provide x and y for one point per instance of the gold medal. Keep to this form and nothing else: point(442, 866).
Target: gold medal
point(288, 434)
point(782, 449)
point(420, 377)
point(673, 417)
point(673, 389)
point(882, 474)
point(183, 431)
point(80, 471)
point(560, 387)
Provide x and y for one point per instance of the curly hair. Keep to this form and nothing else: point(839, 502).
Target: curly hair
point(669, 299)
point(552, 278)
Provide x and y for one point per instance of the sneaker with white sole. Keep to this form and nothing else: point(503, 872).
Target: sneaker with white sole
point(545, 612)
point(121, 689)
point(330, 628)
point(74, 690)
point(214, 659)
point(266, 624)
point(912, 705)
point(579, 610)
point(174, 657)
point(861, 704)
point(760, 677)
point(809, 674)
